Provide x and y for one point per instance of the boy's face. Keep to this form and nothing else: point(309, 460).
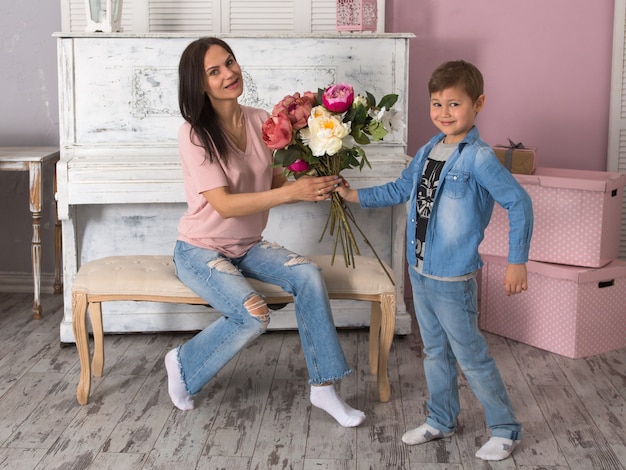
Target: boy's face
point(453, 112)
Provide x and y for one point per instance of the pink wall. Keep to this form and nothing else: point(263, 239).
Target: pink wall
point(547, 69)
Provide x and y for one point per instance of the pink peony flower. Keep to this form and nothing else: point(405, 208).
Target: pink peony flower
point(338, 98)
point(298, 166)
point(277, 132)
point(297, 108)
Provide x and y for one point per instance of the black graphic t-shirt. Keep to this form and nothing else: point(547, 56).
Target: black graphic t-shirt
point(426, 194)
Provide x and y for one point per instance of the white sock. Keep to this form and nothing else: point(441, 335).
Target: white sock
point(422, 434)
point(497, 448)
point(175, 385)
point(326, 398)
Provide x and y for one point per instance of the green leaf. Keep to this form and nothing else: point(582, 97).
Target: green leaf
point(388, 101)
point(350, 114)
point(364, 160)
point(360, 137)
point(376, 130)
point(285, 157)
point(360, 115)
point(371, 101)
point(320, 93)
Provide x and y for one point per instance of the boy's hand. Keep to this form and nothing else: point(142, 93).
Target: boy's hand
point(515, 279)
point(349, 195)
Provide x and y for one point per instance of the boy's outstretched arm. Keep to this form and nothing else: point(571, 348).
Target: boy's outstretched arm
point(515, 279)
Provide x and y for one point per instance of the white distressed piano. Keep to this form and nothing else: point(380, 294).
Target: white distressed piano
point(119, 180)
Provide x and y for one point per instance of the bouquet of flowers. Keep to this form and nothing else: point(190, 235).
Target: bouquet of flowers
point(320, 134)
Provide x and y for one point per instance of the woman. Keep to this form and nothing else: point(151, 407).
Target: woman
point(230, 188)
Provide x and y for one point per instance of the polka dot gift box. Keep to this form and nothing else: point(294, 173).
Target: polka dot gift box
point(577, 217)
point(568, 310)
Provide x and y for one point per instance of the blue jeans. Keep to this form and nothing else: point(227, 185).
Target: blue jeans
point(447, 315)
point(220, 281)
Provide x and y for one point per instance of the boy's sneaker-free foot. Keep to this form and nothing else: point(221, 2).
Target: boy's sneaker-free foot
point(497, 448)
point(422, 434)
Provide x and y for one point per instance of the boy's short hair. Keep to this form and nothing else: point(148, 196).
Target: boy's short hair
point(457, 73)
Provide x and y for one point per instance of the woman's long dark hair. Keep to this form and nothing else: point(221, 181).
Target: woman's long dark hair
point(195, 106)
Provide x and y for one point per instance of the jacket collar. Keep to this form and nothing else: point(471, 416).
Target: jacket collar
point(471, 137)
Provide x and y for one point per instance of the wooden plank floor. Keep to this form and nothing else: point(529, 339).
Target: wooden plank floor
point(256, 413)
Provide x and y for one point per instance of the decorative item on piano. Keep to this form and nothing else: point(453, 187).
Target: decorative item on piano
point(357, 15)
point(104, 16)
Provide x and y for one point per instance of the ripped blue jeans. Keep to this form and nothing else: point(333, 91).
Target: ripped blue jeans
point(221, 282)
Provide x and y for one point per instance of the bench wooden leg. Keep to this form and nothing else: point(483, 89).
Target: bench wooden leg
point(79, 325)
point(95, 315)
point(375, 324)
point(388, 324)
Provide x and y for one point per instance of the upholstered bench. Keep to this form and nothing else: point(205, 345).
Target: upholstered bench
point(152, 278)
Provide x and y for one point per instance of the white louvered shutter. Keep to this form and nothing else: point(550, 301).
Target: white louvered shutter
point(181, 16)
point(218, 16)
point(243, 16)
point(323, 16)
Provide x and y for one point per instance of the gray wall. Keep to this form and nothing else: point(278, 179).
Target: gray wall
point(29, 116)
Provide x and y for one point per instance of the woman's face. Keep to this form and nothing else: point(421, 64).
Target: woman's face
point(223, 79)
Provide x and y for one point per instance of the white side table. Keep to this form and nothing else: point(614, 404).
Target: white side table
point(33, 160)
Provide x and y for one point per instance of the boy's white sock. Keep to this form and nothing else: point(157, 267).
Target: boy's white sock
point(422, 434)
point(326, 398)
point(497, 448)
point(175, 385)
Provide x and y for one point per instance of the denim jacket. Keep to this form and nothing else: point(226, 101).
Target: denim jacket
point(470, 181)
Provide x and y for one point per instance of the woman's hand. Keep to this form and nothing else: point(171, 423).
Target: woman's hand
point(306, 188)
point(314, 188)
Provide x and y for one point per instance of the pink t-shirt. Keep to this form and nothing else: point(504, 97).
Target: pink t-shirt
point(247, 172)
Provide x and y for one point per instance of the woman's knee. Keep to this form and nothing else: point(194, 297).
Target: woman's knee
point(256, 306)
point(305, 271)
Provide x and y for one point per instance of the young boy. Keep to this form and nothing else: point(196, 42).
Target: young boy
point(451, 185)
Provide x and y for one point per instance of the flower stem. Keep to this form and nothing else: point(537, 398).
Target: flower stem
point(339, 220)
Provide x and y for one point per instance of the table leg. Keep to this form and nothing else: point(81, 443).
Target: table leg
point(35, 208)
point(58, 283)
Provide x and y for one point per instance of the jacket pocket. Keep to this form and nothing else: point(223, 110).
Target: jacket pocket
point(455, 184)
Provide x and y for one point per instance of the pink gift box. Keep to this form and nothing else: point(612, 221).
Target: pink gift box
point(568, 310)
point(577, 217)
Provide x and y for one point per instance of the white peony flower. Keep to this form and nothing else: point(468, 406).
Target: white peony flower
point(325, 133)
point(319, 111)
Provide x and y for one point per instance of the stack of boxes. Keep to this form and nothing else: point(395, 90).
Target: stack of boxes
point(575, 305)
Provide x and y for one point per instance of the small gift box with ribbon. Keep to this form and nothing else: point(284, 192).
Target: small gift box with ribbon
point(516, 157)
